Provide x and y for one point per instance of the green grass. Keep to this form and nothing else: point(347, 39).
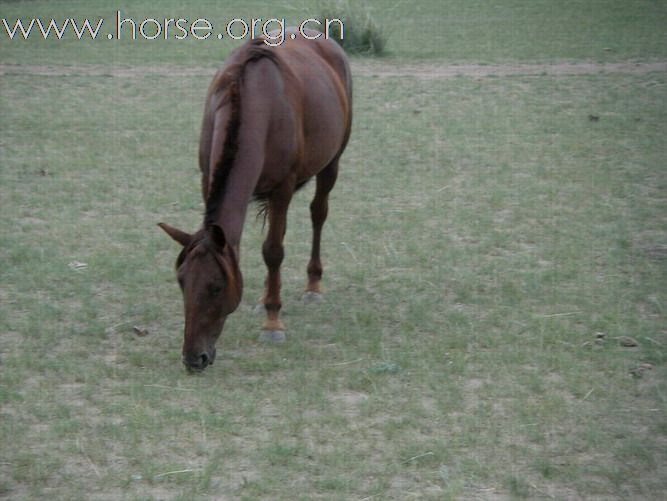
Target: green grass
point(482, 233)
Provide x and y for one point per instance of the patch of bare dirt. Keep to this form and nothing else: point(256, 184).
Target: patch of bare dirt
point(434, 71)
point(380, 69)
point(104, 71)
point(349, 402)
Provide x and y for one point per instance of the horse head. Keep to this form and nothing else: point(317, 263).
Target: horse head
point(210, 279)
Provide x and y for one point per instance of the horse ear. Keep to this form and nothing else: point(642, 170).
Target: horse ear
point(217, 235)
point(180, 236)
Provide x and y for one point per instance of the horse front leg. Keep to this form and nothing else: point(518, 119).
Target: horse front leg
point(273, 253)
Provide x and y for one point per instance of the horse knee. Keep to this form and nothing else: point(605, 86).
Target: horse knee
point(273, 254)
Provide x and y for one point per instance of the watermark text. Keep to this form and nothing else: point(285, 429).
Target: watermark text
point(272, 30)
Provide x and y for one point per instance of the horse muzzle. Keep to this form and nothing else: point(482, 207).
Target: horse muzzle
point(199, 362)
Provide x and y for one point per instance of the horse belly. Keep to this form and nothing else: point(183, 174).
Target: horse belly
point(324, 127)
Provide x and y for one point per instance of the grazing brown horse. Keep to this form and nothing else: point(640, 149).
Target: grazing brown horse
point(274, 117)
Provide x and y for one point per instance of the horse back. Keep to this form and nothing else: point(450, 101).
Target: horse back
point(295, 105)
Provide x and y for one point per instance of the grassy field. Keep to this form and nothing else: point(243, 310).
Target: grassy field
point(493, 245)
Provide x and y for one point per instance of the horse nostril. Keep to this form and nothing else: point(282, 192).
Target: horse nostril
point(198, 363)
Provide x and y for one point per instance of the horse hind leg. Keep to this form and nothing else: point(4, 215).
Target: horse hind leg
point(319, 209)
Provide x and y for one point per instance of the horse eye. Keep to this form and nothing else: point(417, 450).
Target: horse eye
point(214, 290)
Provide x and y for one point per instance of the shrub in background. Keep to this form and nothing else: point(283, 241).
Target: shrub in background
point(362, 35)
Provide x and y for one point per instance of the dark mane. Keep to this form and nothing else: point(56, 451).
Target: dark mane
point(228, 84)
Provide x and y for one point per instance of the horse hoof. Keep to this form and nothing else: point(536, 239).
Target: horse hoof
point(274, 337)
point(259, 309)
point(311, 297)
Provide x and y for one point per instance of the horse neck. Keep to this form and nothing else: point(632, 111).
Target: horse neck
point(241, 180)
point(239, 132)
